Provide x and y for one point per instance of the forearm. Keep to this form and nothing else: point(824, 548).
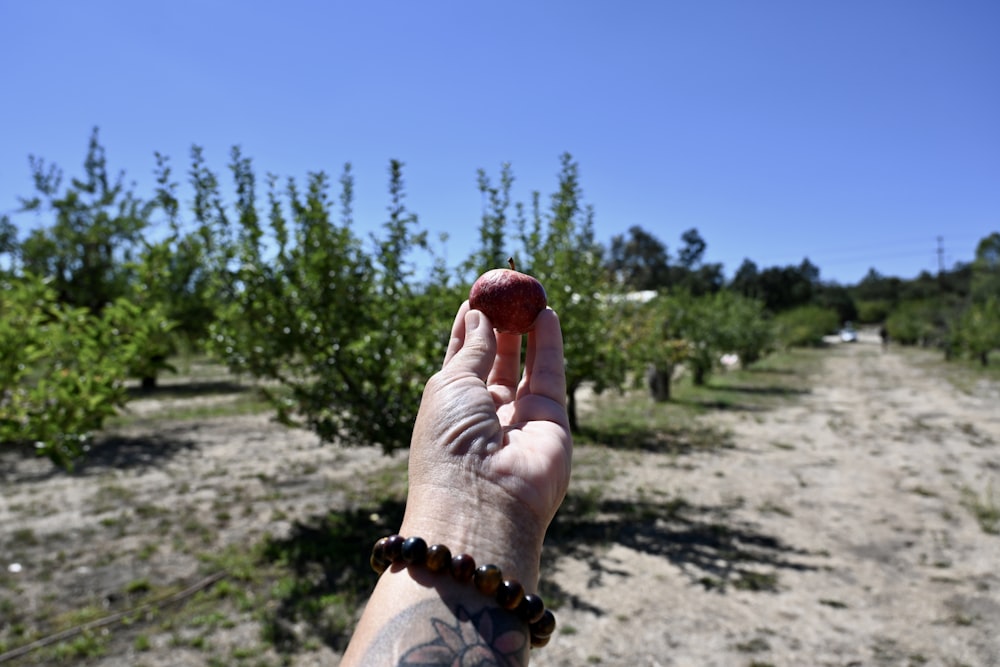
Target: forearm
point(415, 617)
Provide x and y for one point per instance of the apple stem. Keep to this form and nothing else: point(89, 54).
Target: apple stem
point(510, 261)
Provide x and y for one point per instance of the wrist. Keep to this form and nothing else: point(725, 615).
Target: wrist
point(492, 533)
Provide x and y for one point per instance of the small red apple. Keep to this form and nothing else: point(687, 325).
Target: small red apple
point(510, 299)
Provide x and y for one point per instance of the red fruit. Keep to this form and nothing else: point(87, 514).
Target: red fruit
point(510, 299)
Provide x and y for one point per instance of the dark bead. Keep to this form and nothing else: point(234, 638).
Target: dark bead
point(394, 548)
point(539, 642)
point(487, 579)
point(510, 593)
point(463, 567)
point(380, 562)
point(438, 558)
point(545, 626)
point(414, 551)
point(531, 608)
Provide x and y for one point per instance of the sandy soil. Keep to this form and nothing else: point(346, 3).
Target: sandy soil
point(834, 530)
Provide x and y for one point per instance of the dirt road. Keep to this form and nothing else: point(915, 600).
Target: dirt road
point(838, 531)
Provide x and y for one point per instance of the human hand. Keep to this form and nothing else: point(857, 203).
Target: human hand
point(491, 449)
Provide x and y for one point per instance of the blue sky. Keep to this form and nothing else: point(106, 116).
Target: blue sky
point(854, 133)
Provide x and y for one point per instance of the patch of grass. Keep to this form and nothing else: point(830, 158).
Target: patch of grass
point(755, 645)
point(84, 646)
point(757, 581)
point(235, 405)
point(632, 422)
point(138, 587)
point(142, 643)
point(966, 375)
point(771, 507)
point(24, 537)
point(984, 507)
point(109, 497)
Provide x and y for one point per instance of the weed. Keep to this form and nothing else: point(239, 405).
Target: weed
point(757, 581)
point(142, 643)
point(755, 645)
point(770, 507)
point(24, 537)
point(833, 604)
point(86, 645)
point(138, 587)
point(985, 508)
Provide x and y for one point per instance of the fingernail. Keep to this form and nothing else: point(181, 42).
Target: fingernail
point(472, 320)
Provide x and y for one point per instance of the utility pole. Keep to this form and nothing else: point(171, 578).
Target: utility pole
point(940, 254)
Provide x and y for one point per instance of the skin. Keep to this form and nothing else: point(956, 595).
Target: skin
point(489, 466)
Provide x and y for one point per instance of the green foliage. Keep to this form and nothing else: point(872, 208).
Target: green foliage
point(97, 225)
point(493, 248)
point(915, 323)
point(561, 251)
point(978, 330)
point(986, 269)
point(872, 311)
point(349, 334)
point(780, 288)
point(717, 324)
point(696, 331)
point(805, 325)
point(63, 367)
point(640, 261)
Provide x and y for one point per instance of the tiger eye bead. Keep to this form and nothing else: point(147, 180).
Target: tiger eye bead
point(510, 593)
point(438, 558)
point(380, 562)
point(394, 548)
point(414, 551)
point(463, 568)
point(487, 579)
point(543, 627)
point(539, 642)
point(531, 608)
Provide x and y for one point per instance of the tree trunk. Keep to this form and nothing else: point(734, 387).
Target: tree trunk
point(658, 379)
point(574, 426)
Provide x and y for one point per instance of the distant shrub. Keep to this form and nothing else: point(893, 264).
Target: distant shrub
point(978, 330)
point(915, 323)
point(873, 311)
point(805, 326)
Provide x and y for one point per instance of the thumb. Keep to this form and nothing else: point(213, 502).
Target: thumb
point(478, 347)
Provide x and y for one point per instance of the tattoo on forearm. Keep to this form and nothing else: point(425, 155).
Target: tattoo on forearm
point(490, 637)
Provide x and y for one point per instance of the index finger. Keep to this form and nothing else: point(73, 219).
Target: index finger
point(544, 363)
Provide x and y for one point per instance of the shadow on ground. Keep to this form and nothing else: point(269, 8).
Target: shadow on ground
point(675, 439)
point(189, 389)
point(21, 463)
point(121, 452)
point(704, 542)
point(331, 575)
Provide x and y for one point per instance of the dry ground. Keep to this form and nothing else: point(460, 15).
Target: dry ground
point(836, 531)
point(847, 526)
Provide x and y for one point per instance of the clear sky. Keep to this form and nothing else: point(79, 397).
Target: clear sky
point(851, 132)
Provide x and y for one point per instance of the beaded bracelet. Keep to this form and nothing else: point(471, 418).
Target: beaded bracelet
point(488, 579)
